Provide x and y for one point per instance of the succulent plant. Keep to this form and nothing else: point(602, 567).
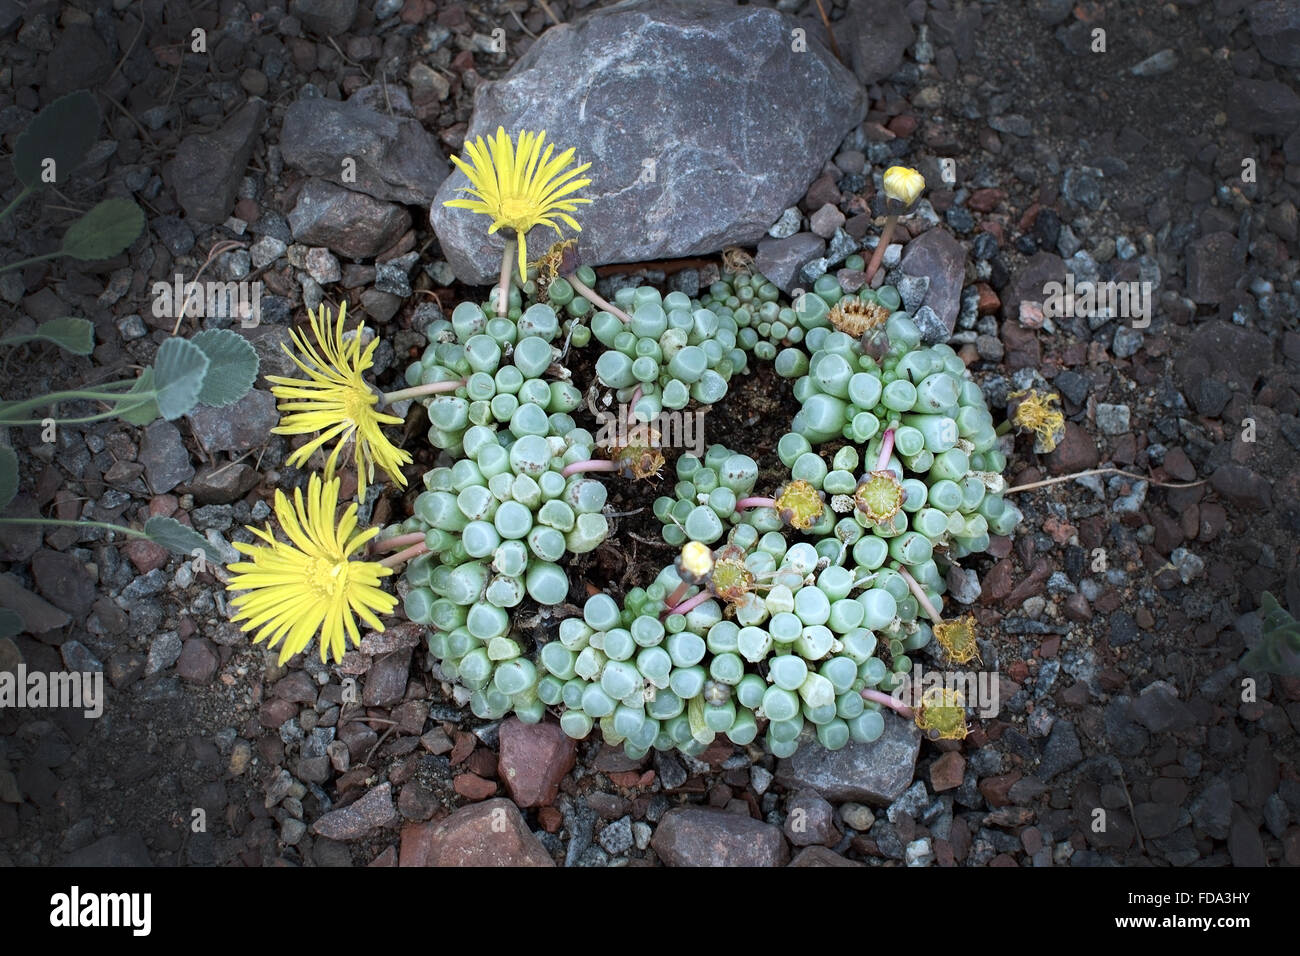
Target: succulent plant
point(799, 610)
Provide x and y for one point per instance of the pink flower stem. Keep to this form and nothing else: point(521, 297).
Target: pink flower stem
point(636, 397)
point(755, 502)
point(588, 293)
point(689, 604)
point(876, 257)
point(887, 700)
point(886, 449)
point(920, 595)
point(418, 391)
point(591, 464)
point(398, 541)
point(679, 592)
point(393, 560)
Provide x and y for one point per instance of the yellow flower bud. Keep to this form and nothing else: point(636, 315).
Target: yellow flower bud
point(903, 185)
point(697, 559)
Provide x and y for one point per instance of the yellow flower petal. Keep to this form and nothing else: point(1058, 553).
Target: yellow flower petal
point(336, 402)
point(292, 592)
point(519, 185)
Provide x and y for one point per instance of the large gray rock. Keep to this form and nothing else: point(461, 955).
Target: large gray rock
point(351, 224)
point(207, 169)
point(693, 146)
point(873, 35)
point(875, 773)
point(941, 258)
point(395, 158)
point(1275, 25)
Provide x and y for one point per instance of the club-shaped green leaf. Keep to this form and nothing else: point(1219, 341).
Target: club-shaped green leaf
point(11, 622)
point(232, 366)
point(68, 333)
point(63, 132)
point(106, 230)
point(133, 411)
point(8, 475)
point(174, 536)
point(178, 373)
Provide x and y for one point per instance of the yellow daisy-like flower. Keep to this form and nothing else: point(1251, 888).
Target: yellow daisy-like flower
point(903, 184)
point(520, 187)
point(293, 591)
point(336, 401)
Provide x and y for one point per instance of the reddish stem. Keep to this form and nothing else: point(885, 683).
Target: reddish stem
point(393, 560)
point(398, 541)
point(888, 700)
point(886, 449)
point(679, 592)
point(876, 257)
point(689, 604)
point(920, 595)
point(591, 464)
point(755, 502)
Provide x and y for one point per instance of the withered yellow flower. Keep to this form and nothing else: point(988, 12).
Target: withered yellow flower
point(1036, 414)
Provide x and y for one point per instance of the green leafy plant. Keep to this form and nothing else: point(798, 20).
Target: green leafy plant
point(45, 154)
point(216, 367)
point(1278, 649)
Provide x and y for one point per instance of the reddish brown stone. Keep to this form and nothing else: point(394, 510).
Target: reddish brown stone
point(1076, 452)
point(534, 759)
point(146, 555)
point(551, 819)
point(473, 787)
point(997, 583)
point(985, 200)
point(387, 858)
point(947, 772)
point(275, 712)
point(491, 833)
point(989, 303)
point(995, 789)
point(198, 661)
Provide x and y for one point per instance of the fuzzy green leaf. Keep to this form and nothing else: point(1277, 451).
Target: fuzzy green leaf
point(109, 228)
point(176, 537)
point(68, 333)
point(64, 131)
point(142, 413)
point(178, 373)
point(1278, 649)
point(232, 366)
point(11, 622)
point(8, 475)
